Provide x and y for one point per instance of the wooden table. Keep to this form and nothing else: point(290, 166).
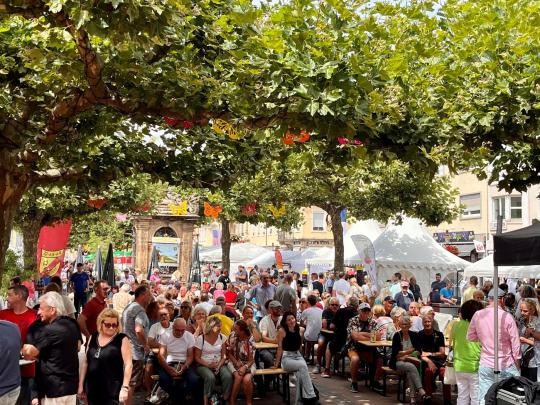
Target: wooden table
point(378, 343)
point(265, 345)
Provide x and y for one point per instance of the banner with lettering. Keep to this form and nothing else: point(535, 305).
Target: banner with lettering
point(51, 248)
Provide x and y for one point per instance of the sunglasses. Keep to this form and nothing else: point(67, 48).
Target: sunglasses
point(164, 315)
point(179, 330)
point(334, 305)
point(366, 310)
point(110, 325)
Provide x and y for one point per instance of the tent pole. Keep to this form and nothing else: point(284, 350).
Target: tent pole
point(496, 370)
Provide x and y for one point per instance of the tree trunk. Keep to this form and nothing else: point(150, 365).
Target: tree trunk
point(225, 245)
point(12, 187)
point(337, 232)
point(30, 230)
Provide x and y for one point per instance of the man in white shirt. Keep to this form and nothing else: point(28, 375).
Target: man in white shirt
point(341, 289)
point(175, 357)
point(269, 326)
point(396, 284)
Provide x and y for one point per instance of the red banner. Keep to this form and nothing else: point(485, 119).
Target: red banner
point(279, 259)
point(128, 260)
point(51, 247)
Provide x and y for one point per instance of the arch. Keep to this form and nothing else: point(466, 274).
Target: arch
point(165, 231)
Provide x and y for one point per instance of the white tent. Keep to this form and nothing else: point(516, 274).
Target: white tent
point(240, 253)
point(410, 250)
point(369, 228)
point(296, 259)
point(484, 268)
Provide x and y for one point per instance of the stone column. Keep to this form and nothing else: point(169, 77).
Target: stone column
point(143, 243)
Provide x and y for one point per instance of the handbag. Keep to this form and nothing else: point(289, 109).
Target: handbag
point(449, 370)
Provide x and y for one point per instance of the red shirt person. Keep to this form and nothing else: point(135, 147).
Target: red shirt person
point(22, 316)
point(230, 295)
point(88, 318)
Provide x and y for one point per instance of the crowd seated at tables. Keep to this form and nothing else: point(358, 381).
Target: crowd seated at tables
point(205, 341)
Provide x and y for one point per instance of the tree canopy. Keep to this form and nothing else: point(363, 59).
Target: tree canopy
point(84, 85)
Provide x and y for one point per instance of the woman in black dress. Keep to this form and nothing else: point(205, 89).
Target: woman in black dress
point(106, 368)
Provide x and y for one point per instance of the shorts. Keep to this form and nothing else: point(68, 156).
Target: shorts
point(364, 355)
point(335, 346)
point(137, 374)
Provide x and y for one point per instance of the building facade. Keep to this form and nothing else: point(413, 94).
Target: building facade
point(483, 203)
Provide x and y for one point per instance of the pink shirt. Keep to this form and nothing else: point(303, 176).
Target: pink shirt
point(481, 329)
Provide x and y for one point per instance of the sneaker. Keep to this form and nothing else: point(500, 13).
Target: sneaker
point(317, 370)
point(354, 387)
point(326, 374)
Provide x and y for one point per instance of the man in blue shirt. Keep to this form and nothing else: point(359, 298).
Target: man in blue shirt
point(79, 283)
point(447, 293)
point(10, 375)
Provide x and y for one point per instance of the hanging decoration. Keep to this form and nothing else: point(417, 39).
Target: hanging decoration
point(96, 203)
point(345, 141)
point(172, 122)
point(290, 137)
point(211, 211)
point(277, 212)
point(179, 209)
point(222, 127)
point(249, 209)
point(121, 217)
point(144, 207)
point(304, 136)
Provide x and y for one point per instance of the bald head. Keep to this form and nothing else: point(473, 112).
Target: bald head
point(179, 323)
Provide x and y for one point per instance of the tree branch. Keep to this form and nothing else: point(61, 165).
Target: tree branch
point(55, 175)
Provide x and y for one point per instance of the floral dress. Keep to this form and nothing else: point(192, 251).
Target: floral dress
point(241, 350)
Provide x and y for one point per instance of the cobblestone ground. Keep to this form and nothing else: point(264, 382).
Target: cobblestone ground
point(336, 391)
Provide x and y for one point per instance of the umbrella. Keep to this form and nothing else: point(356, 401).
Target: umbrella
point(98, 266)
point(79, 258)
point(154, 262)
point(195, 270)
point(108, 269)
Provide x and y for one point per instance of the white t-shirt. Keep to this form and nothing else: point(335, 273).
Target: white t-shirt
point(313, 318)
point(210, 352)
point(177, 348)
point(156, 330)
point(341, 288)
point(268, 328)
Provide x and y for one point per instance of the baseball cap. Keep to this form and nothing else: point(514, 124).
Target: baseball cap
point(389, 299)
point(500, 293)
point(274, 304)
point(364, 305)
point(220, 299)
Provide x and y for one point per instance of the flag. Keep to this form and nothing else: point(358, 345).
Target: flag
point(279, 259)
point(98, 266)
point(153, 263)
point(108, 269)
point(51, 248)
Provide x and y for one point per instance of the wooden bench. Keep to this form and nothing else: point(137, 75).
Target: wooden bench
point(282, 375)
point(388, 372)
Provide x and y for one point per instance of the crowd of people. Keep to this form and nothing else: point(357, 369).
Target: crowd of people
point(198, 341)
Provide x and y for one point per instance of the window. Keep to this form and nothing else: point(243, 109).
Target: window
point(498, 207)
point(472, 205)
point(515, 207)
point(318, 221)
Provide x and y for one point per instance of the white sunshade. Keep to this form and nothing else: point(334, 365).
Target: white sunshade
point(484, 268)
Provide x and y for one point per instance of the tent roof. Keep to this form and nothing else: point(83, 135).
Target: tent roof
point(484, 268)
point(369, 228)
point(410, 246)
point(519, 247)
point(297, 259)
point(240, 253)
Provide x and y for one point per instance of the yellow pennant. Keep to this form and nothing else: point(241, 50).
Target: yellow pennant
point(222, 127)
point(277, 212)
point(180, 209)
